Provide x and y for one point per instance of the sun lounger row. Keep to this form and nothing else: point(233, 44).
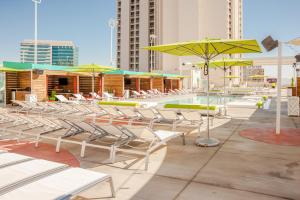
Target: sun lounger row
point(138, 140)
point(156, 93)
point(120, 112)
point(24, 177)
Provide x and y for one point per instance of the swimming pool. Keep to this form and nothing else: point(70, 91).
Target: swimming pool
point(217, 100)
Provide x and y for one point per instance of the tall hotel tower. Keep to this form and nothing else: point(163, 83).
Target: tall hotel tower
point(153, 22)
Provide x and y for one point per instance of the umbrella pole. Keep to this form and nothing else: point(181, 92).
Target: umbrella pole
point(225, 109)
point(93, 83)
point(207, 142)
point(208, 87)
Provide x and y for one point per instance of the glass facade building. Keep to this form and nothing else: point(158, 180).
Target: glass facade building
point(50, 52)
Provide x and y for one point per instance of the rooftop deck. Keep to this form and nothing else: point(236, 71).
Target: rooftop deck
point(237, 169)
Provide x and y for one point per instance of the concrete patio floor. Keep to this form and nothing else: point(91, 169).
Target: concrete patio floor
point(237, 169)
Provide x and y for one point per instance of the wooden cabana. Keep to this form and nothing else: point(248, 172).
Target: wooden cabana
point(116, 82)
point(158, 83)
point(172, 81)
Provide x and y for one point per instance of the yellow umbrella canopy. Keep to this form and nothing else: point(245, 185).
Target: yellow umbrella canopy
point(92, 68)
point(258, 76)
point(230, 77)
point(227, 63)
point(6, 69)
point(208, 49)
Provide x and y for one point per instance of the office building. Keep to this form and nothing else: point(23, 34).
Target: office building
point(153, 22)
point(50, 52)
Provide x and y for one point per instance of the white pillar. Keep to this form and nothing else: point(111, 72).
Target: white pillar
point(278, 109)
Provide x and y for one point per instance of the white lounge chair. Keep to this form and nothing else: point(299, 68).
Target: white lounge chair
point(129, 113)
point(106, 95)
point(170, 116)
point(95, 95)
point(79, 97)
point(138, 95)
point(19, 174)
point(148, 114)
point(63, 99)
point(7, 159)
point(60, 186)
point(150, 141)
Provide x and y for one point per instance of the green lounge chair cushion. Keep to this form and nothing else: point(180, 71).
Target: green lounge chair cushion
point(190, 106)
point(119, 103)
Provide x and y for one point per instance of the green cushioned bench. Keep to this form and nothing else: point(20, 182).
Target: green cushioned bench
point(119, 103)
point(190, 106)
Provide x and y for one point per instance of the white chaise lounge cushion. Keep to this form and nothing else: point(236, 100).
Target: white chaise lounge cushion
point(57, 186)
point(23, 172)
point(166, 135)
point(7, 159)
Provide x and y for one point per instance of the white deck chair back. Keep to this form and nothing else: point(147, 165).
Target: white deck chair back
point(136, 93)
point(95, 95)
point(168, 114)
point(61, 98)
point(191, 115)
point(127, 111)
point(147, 113)
point(7, 159)
point(141, 132)
point(107, 95)
point(110, 110)
point(143, 92)
point(23, 172)
point(79, 97)
point(62, 185)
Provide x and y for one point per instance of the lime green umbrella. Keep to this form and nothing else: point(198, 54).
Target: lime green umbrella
point(258, 76)
point(6, 69)
point(208, 49)
point(92, 68)
point(230, 77)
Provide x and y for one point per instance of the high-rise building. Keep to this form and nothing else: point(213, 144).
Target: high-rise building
point(153, 22)
point(50, 52)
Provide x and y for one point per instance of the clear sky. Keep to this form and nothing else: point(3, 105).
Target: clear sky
point(86, 23)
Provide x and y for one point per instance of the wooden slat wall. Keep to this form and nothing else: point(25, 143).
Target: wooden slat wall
point(24, 79)
point(114, 82)
point(11, 81)
point(145, 84)
point(132, 85)
point(167, 85)
point(85, 85)
point(53, 81)
point(39, 86)
point(175, 84)
point(298, 86)
point(158, 83)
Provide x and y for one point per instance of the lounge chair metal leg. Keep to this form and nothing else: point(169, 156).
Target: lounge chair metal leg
point(37, 141)
point(147, 160)
point(174, 126)
point(112, 188)
point(58, 145)
point(183, 138)
point(83, 145)
point(151, 124)
point(112, 156)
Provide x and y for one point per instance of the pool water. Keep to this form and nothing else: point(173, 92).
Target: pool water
point(217, 100)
